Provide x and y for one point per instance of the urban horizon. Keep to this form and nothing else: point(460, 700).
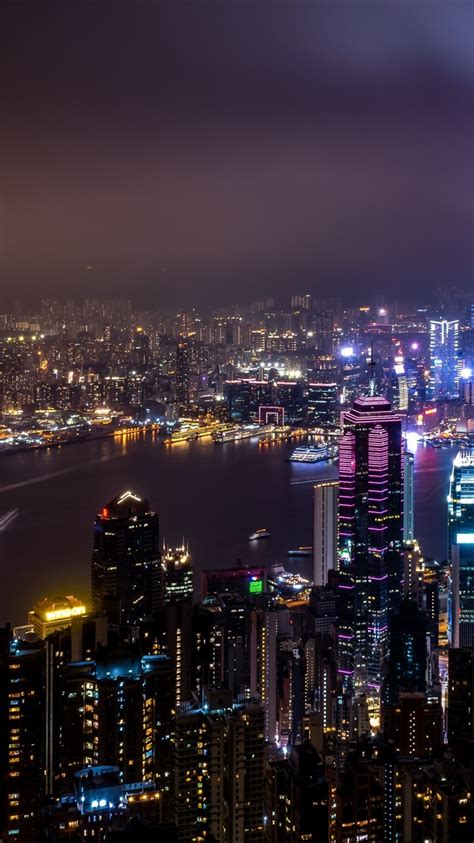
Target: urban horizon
point(237, 422)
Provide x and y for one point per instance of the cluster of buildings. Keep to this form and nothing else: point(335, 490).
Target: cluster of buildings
point(251, 706)
point(299, 363)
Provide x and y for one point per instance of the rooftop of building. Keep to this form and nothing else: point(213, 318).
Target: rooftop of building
point(59, 608)
point(125, 505)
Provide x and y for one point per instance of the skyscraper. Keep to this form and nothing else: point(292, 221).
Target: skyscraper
point(445, 362)
point(219, 769)
point(126, 558)
point(21, 750)
point(408, 654)
point(461, 549)
point(178, 573)
point(182, 374)
point(117, 709)
point(408, 497)
point(322, 404)
point(325, 530)
point(371, 526)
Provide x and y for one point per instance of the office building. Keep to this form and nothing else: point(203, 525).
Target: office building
point(325, 530)
point(248, 581)
point(406, 670)
point(322, 406)
point(49, 616)
point(290, 397)
point(245, 397)
point(126, 563)
point(370, 528)
point(445, 362)
point(461, 549)
point(178, 573)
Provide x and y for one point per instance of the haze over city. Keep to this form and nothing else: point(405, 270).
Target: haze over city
point(193, 153)
point(236, 421)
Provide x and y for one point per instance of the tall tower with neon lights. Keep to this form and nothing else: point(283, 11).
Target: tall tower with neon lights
point(370, 534)
point(126, 561)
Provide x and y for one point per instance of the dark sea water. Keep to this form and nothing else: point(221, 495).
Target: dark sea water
point(213, 495)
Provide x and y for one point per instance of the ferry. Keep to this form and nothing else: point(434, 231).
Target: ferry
point(310, 453)
point(259, 534)
point(305, 550)
point(248, 431)
point(314, 453)
point(7, 519)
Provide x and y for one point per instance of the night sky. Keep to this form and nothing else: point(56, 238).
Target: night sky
point(217, 151)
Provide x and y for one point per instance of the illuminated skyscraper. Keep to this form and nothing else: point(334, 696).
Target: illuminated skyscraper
point(461, 549)
point(263, 664)
point(178, 573)
point(408, 497)
point(182, 374)
point(21, 738)
point(371, 527)
point(445, 362)
point(325, 530)
point(322, 404)
point(126, 558)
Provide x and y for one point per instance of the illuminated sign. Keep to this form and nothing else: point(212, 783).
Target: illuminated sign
point(465, 538)
point(430, 412)
point(63, 614)
point(256, 586)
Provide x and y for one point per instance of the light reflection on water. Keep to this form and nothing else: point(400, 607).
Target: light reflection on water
point(213, 495)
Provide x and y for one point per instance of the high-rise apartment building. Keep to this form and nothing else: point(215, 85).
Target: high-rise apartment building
point(117, 710)
point(445, 362)
point(219, 784)
point(263, 664)
point(408, 497)
point(126, 562)
point(21, 741)
point(370, 527)
point(182, 374)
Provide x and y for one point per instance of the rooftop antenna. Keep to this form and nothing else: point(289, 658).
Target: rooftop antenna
point(372, 371)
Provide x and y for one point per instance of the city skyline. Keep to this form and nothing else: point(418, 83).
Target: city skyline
point(237, 421)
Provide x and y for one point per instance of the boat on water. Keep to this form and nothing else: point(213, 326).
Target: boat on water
point(309, 453)
point(262, 533)
point(7, 519)
point(314, 453)
point(304, 550)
